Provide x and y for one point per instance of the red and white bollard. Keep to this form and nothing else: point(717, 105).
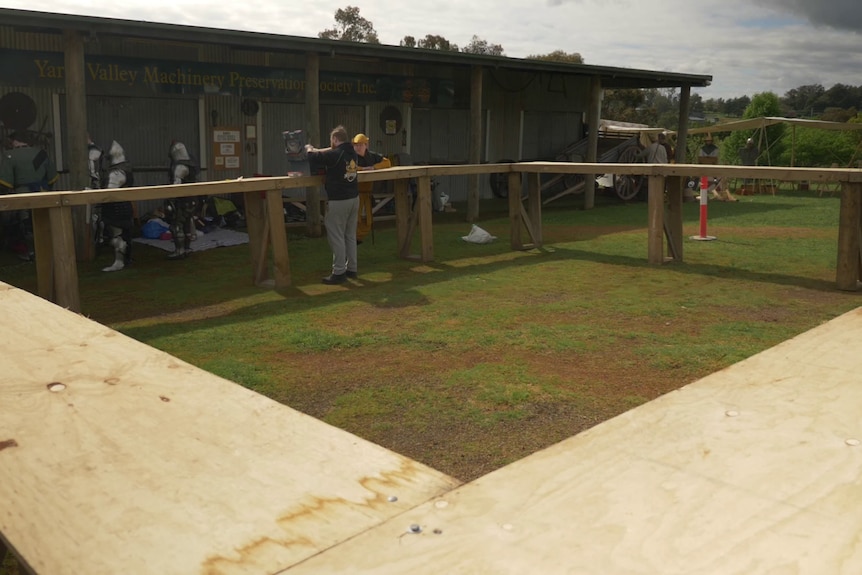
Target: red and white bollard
point(704, 185)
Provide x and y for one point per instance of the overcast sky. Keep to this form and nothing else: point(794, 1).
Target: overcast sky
point(748, 46)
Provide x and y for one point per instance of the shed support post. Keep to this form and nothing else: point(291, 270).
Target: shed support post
point(594, 115)
point(312, 112)
point(75, 133)
point(847, 273)
point(475, 142)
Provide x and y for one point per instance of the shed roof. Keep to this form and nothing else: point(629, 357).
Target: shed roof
point(611, 77)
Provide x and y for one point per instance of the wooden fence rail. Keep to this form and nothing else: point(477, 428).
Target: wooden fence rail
point(56, 266)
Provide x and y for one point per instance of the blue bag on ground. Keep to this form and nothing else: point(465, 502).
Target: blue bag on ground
point(154, 228)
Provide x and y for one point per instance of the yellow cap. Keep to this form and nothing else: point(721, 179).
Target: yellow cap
point(360, 139)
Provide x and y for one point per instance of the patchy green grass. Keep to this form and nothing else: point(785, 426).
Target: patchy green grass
point(485, 355)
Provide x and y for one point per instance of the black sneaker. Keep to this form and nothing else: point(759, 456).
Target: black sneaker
point(351, 275)
point(333, 279)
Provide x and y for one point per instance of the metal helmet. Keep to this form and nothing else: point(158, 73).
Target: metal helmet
point(179, 153)
point(116, 153)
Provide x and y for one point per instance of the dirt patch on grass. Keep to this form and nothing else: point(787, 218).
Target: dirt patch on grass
point(455, 426)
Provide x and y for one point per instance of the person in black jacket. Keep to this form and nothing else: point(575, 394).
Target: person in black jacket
point(342, 190)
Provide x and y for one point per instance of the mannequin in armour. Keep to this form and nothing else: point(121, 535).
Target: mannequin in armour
point(23, 168)
point(114, 220)
point(94, 164)
point(180, 212)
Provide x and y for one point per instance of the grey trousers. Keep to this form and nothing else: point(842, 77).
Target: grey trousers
point(340, 222)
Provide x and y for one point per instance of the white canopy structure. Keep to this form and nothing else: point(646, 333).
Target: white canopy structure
point(766, 121)
point(763, 122)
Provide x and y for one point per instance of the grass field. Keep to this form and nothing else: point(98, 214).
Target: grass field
point(486, 355)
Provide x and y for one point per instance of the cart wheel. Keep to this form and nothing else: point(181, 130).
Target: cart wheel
point(500, 181)
point(628, 186)
point(572, 180)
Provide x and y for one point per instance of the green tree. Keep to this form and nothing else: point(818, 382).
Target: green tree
point(352, 27)
point(696, 104)
point(664, 105)
point(429, 42)
point(622, 105)
point(714, 105)
point(559, 56)
point(839, 96)
point(479, 46)
point(435, 42)
point(626, 105)
point(801, 100)
point(839, 114)
point(819, 148)
point(857, 134)
point(736, 106)
point(764, 104)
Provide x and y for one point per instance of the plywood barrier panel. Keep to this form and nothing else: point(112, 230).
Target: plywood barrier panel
point(755, 469)
point(118, 458)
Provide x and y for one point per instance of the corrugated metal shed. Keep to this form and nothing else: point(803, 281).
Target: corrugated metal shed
point(611, 77)
point(416, 102)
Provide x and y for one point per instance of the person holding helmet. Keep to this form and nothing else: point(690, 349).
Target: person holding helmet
point(368, 160)
point(339, 163)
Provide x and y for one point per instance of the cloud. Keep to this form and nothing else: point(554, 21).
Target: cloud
point(748, 46)
point(838, 14)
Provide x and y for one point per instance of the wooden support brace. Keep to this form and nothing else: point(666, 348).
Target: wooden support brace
point(847, 272)
point(64, 259)
point(671, 244)
point(405, 218)
point(576, 189)
point(258, 236)
point(379, 205)
point(278, 237)
point(655, 211)
point(673, 217)
point(43, 245)
point(424, 209)
point(534, 207)
point(516, 211)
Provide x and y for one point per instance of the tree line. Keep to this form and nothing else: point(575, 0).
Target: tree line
point(836, 104)
point(352, 27)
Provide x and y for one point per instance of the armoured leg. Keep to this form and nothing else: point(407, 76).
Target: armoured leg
point(120, 248)
point(181, 241)
point(181, 229)
point(98, 227)
point(25, 226)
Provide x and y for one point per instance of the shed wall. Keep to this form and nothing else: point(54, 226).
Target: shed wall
point(528, 115)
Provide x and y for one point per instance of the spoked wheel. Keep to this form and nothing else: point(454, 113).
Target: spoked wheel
point(570, 181)
point(500, 182)
point(628, 186)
